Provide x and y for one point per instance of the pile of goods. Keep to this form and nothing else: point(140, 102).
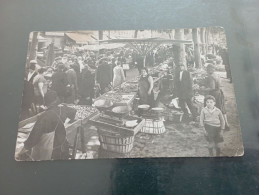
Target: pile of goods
point(117, 98)
point(83, 112)
point(127, 88)
point(114, 97)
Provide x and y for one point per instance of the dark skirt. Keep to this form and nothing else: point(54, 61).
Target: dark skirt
point(213, 134)
point(147, 99)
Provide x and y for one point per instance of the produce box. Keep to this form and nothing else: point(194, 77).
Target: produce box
point(118, 99)
point(83, 111)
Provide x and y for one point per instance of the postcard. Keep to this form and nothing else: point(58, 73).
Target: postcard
point(128, 94)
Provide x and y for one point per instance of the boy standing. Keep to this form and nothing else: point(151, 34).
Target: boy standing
point(212, 120)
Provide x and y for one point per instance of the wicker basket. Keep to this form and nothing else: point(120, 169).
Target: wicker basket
point(153, 126)
point(115, 143)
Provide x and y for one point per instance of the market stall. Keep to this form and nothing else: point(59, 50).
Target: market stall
point(74, 129)
point(115, 125)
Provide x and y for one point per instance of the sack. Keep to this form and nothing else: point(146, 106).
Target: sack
point(125, 66)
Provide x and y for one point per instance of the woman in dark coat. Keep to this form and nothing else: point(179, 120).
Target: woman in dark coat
point(60, 82)
point(104, 75)
point(87, 87)
point(47, 140)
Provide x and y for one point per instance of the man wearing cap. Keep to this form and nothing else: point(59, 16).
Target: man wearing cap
point(28, 91)
point(32, 73)
point(183, 90)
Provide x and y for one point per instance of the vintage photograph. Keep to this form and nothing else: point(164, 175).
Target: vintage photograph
point(128, 94)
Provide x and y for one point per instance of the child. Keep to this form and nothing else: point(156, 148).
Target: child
point(212, 120)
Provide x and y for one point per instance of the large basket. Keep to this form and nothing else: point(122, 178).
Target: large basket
point(115, 143)
point(153, 126)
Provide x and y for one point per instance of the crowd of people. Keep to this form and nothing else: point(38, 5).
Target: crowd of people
point(72, 79)
point(80, 78)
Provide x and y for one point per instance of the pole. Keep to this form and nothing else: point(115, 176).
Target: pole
point(197, 55)
point(179, 49)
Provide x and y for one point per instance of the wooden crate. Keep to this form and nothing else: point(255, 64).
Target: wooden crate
point(113, 125)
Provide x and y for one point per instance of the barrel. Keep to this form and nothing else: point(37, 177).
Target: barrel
point(115, 142)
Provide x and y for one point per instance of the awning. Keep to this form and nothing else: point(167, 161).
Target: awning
point(145, 45)
point(143, 40)
point(104, 46)
point(80, 38)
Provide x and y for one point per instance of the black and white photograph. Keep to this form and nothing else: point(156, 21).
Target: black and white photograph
point(128, 94)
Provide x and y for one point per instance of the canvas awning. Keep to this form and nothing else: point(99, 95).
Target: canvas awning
point(143, 40)
point(80, 38)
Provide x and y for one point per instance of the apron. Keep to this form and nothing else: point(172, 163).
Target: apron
point(143, 92)
point(43, 150)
